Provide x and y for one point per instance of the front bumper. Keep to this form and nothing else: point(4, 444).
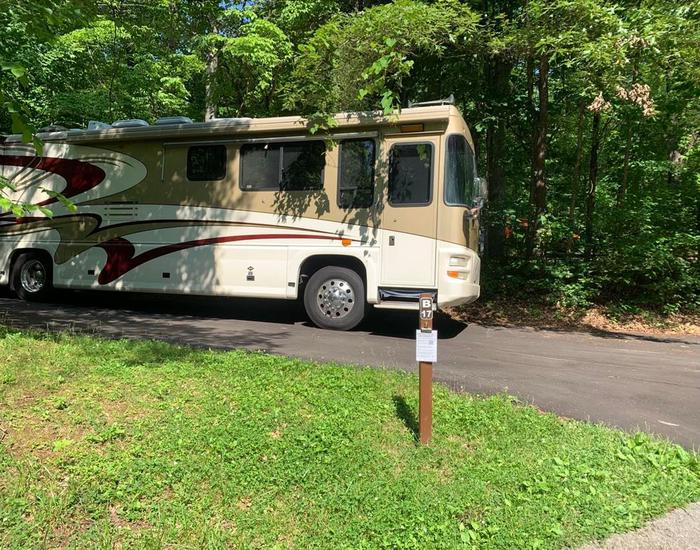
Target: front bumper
point(459, 275)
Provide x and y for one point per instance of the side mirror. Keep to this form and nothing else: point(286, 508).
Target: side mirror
point(479, 201)
point(483, 193)
point(480, 195)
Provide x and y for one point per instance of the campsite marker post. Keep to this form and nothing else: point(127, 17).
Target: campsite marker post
point(426, 355)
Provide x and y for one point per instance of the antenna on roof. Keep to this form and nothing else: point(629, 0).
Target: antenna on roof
point(446, 101)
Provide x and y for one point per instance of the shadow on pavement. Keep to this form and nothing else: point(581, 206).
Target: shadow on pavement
point(166, 318)
point(193, 319)
point(403, 324)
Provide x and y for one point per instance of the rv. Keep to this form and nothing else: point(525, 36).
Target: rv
point(373, 211)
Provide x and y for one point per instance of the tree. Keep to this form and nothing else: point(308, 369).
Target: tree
point(25, 26)
point(585, 114)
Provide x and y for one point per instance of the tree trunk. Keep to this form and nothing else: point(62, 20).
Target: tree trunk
point(622, 190)
point(173, 35)
point(539, 156)
point(576, 180)
point(592, 183)
point(497, 73)
point(210, 99)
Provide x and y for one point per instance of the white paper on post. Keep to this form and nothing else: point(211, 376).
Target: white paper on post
point(426, 346)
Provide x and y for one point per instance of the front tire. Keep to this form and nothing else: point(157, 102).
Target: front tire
point(334, 298)
point(31, 277)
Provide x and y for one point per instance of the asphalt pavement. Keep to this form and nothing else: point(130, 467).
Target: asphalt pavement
point(629, 381)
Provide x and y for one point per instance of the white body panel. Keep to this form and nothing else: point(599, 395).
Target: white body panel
point(408, 260)
point(222, 268)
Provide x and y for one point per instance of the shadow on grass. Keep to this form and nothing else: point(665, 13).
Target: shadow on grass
point(406, 414)
point(150, 353)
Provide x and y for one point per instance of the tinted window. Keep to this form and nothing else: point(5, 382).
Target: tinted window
point(460, 180)
point(356, 175)
point(260, 167)
point(302, 166)
point(410, 173)
point(206, 162)
point(283, 166)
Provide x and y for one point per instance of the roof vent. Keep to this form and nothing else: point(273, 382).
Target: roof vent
point(173, 120)
point(446, 101)
point(239, 120)
point(129, 123)
point(97, 125)
point(52, 128)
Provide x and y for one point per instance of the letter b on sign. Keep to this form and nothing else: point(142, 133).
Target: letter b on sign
point(425, 312)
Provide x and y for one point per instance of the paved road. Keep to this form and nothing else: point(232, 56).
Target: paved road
point(628, 381)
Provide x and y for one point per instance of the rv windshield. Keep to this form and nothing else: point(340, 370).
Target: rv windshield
point(461, 183)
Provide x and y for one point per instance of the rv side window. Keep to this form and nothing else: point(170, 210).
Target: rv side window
point(294, 166)
point(460, 172)
point(260, 167)
point(410, 174)
point(302, 166)
point(206, 162)
point(356, 173)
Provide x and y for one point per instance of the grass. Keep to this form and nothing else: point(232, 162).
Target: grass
point(147, 445)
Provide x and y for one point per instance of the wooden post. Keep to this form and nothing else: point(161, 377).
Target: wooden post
point(425, 403)
point(425, 375)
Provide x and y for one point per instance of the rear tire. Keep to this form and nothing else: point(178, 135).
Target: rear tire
point(31, 277)
point(334, 298)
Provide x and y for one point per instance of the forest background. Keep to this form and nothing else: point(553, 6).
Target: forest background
point(585, 113)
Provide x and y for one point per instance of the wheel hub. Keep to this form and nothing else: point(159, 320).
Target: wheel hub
point(33, 276)
point(336, 298)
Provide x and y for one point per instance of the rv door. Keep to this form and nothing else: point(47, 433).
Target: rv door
point(409, 216)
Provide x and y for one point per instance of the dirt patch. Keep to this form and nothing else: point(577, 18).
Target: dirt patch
point(123, 523)
point(60, 536)
point(510, 313)
point(38, 438)
point(244, 503)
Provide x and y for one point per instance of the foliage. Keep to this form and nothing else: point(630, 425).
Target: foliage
point(359, 62)
point(585, 114)
point(24, 25)
point(143, 444)
point(73, 85)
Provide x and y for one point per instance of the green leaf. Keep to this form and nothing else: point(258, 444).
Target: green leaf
point(18, 71)
point(387, 102)
point(61, 444)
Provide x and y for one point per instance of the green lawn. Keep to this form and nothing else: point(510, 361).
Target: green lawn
point(144, 444)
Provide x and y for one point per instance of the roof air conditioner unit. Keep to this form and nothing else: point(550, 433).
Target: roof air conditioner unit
point(97, 125)
point(173, 120)
point(129, 123)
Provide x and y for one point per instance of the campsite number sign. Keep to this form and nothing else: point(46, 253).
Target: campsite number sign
point(426, 312)
point(426, 355)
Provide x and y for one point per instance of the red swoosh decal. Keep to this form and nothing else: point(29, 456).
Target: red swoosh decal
point(121, 259)
point(80, 176)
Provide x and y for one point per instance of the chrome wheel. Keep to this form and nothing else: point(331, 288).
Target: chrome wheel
point(33, 276)
point(336, 298)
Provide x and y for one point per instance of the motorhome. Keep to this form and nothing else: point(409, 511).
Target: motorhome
point(370, 212)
